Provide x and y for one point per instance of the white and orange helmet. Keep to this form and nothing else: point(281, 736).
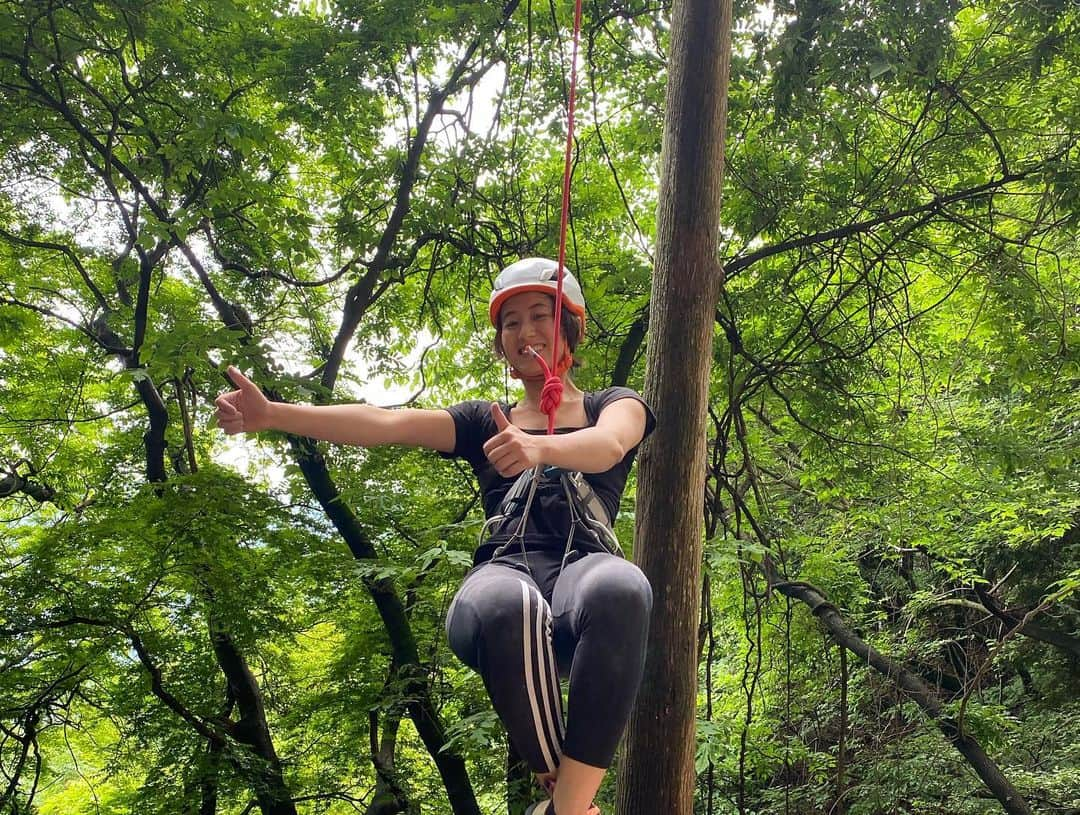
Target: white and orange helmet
point(535, 274)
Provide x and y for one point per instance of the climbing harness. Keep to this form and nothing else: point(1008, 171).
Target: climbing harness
point(590, 527)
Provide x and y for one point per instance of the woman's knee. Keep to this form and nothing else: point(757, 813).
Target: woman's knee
point(629, 592)
point(486, 611)
point(615, 589)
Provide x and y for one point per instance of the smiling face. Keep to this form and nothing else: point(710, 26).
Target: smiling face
point(527, 319)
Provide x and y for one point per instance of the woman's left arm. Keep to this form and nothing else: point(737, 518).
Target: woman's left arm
point(619, 428)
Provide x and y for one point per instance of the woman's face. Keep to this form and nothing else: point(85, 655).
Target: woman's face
point(528, 319)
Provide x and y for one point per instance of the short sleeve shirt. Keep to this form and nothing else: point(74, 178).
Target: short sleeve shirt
point(549, 521)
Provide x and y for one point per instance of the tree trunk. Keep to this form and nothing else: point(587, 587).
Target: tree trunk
point(657, 774)
point(1029, 628)
point(389, 798)
point(252, 729)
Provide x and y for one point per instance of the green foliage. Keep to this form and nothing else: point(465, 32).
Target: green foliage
point(190, 184)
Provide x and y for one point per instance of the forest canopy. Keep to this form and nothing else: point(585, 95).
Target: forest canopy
point(321, 194)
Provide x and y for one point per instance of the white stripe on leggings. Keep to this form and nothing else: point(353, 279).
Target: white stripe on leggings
point(549, 678)
point(533, 644)
point(554, 689)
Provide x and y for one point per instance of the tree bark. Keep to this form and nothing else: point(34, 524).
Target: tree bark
point(628, 350)
point(657, 773)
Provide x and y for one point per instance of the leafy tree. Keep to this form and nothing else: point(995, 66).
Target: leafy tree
point(321, 192)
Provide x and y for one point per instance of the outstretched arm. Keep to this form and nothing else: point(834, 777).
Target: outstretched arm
point(620, 427)
point(247, 410)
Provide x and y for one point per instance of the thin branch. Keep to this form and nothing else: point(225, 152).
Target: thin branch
point(737, 264)
point(68, 252)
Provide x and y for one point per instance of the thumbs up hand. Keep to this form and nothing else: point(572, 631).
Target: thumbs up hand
point(245, 410)
point(511, 450)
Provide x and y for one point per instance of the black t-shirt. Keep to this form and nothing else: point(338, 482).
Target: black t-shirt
point(549, 521)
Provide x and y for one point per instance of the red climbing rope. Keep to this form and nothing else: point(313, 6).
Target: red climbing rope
point(551, 395)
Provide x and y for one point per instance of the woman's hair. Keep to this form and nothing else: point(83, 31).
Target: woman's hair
point(571, 333)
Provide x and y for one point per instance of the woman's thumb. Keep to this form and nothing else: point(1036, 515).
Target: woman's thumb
point(238, 379)
point(501, 422)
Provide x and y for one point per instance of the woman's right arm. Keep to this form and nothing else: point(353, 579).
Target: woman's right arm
point(247, 410)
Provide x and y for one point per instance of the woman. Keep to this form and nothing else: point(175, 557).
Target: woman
point(547, 596)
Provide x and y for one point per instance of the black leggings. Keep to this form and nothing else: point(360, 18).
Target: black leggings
point(523, 626)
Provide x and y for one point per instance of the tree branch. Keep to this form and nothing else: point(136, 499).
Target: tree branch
point(737, 264)
point(359, 296)
point(68, 252)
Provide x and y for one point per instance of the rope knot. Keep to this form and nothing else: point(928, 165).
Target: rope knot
point(551, 396)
